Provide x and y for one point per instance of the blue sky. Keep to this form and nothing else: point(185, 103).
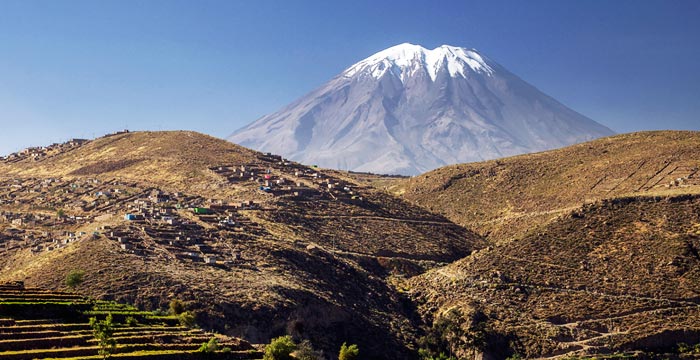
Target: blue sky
point(85, 68)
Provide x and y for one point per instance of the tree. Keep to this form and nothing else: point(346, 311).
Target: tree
point(75, 278)
point(351, 352)
point(103, 330)
point(306, 351)
point(280, 348)
point(459, 333)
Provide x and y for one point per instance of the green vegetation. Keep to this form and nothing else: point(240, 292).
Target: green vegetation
point(284, 348)
point(684, 348)
point(441, 356)
point(75, 278)
point(210, 346)
point(280, 348)
point(187, 319)
point(131, 321)
point(103, 330)
point(177, 307)
point(351, 352)
point(45, 324)
point(306, 351)
point(455, 331)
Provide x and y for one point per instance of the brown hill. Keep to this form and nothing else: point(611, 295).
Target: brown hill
point(616, 275)
point(504, 198)
point(177, 159)
point(257, 245)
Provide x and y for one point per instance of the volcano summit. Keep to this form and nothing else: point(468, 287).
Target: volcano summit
point(407, 110)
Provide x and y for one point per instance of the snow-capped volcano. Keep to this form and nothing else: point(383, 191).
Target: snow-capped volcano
point(408, 110)
point(406, 59)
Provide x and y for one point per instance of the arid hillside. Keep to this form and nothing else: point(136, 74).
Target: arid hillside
point(170, 159)
point(503, 199)
point(613, 276)
point(257, 245)
point(590, 249)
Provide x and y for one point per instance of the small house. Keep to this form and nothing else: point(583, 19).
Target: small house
point(211, 259)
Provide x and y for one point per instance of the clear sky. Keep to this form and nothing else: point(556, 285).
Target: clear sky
point(85, 68)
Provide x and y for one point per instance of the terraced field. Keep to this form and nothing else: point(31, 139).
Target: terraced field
point(40, 324)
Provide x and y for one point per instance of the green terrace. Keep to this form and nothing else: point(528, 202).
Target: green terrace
point(40, 324)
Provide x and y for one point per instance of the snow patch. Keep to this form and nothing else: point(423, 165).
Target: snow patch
point(407, 59)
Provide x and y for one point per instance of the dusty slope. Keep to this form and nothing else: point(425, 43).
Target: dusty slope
point(311, 257)
point(622, 274)
point(177, 159)
point(504, 198)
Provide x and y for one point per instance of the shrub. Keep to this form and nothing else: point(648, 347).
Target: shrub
point(424, 354)
point(187, 319)
point(455, 330)
point(75, 278)
point(280, 348)
point(209, 347)
point(684, 348)
point(305, 351)
point(131, 321)
point(348, 352)
point(176, 307)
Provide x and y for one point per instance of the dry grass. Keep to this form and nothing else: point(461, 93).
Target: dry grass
point(504, 198)
point(614, 275)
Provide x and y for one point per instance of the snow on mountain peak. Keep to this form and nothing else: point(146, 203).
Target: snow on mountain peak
point(407, 109)
point(406, 59)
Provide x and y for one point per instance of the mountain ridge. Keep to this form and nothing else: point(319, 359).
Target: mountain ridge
point(505, 197)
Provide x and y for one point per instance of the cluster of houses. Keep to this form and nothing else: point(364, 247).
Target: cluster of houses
point(279, 177)
point(72, 201)
point(43, 152)
point(188, 241)
point(153, 223)
point(39, 213)
point(38, 241)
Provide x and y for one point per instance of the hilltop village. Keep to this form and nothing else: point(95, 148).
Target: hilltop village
point(48, 214)
point(252, 242)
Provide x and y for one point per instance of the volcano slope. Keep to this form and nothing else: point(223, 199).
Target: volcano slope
point(255, 245)
point(617, 275)
point(502, 199)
